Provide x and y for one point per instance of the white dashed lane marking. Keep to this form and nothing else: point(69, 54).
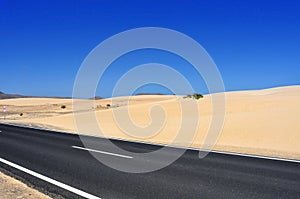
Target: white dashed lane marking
point(103, 152)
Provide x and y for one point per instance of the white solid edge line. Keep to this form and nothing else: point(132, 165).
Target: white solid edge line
point(47, 179)
point(157, 144)
point(103, 152)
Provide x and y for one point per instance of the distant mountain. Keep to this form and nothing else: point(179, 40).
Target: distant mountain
point(98, 97)
point(9, 96)
point(12, 96)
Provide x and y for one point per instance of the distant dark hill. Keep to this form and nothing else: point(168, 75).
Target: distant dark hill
point(9, 96)
point(96, 98)
point(13, 96)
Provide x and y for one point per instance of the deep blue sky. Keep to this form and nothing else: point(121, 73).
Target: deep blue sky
point(255, 44)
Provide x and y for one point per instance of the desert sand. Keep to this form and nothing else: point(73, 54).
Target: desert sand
point(260, 122)
point(11, 188)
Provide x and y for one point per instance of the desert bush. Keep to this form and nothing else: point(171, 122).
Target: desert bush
point(197, 96)
point(21, 114)
point(63, 106)
point(194, 96)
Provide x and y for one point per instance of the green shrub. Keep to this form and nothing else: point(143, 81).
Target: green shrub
point(194, 96)
point(197, 96)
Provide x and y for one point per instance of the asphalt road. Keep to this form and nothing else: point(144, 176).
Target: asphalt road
point(216, 176)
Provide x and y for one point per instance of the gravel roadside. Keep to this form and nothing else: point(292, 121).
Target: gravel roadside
point(11, 188)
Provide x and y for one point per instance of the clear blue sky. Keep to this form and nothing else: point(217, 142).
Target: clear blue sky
point(255, 44)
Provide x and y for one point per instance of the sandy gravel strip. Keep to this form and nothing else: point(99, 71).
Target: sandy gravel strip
point(11, 188)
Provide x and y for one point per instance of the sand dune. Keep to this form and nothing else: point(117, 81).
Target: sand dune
point(263, 122)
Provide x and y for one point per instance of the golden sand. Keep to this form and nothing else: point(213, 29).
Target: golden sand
point(261, 122)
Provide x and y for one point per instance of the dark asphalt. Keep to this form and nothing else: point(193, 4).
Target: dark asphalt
point(216, 176)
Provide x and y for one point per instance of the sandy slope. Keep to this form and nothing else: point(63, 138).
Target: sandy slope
point(263, 122)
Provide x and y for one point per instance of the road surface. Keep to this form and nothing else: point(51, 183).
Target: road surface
point(58, 163)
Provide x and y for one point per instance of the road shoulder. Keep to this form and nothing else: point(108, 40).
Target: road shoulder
point(11, 188)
